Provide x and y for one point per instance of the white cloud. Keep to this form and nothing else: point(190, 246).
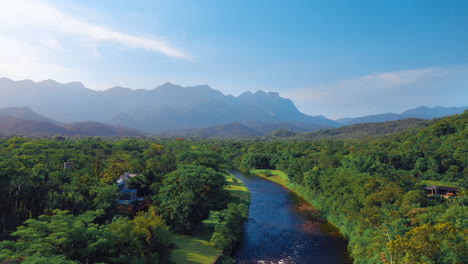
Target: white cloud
point(25, 16)
point(391, 80)
point(39, 41)
point(386, 92)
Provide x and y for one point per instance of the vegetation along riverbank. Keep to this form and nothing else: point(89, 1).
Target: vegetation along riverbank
point(397, 199)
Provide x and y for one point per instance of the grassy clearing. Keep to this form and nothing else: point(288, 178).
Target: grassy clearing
point(237, 188)
point(198, 248)
point(193, 249)
point(273, 175)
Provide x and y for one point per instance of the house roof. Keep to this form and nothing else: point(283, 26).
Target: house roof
point(441, 188)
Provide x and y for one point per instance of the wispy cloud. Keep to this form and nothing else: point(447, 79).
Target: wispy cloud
point(40, 41)
point(29, 15)
point(386, 92)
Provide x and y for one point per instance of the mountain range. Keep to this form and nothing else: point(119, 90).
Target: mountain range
point(169, 109)
point(166, 107)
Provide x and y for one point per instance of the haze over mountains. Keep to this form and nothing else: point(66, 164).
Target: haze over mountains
point(168, 109)
point(24, 121)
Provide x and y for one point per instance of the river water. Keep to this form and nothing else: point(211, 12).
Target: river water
point(282, 226)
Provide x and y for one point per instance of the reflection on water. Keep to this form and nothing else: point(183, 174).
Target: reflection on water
point(283, 227)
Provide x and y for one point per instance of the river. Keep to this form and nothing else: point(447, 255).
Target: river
point(283, 226)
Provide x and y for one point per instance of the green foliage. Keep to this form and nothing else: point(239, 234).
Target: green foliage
point(229, 228)
point(255, 161)
point(199, 157)
point(64, 238)
point(187, 195)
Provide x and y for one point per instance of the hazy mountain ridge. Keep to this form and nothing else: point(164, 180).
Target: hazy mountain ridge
point(32, 124)
point(24, 112)
point(10, 125)
point(422, 112)
point(196, 110)
point(24, 121)
point(166, 107)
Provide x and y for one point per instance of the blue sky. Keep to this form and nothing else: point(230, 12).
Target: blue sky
point(337, 58)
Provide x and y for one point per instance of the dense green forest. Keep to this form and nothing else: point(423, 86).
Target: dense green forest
point(61, 197)
point(370, 189)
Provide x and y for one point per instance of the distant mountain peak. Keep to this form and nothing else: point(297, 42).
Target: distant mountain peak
point(48, 82)
point(76, 85)
point(259, 93)
point(423, 107)
point(248, 93)
point(202, 87)
point(118, 89)
point(168, 85)
point(25, 81)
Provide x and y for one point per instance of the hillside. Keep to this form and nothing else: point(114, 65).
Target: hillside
point(231, 130)
point(236, 130)
point(90, 128)
point(357, 131)
point(11, 125)
point(24, 112)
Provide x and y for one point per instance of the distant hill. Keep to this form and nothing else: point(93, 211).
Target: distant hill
point(10, 125)
point(90, 128)
point(166, 107)
point(422, 112)
point(364, 130)
point(13, 125)
point(24, 112)
point(231, 130)
point(291, 132)
point(266, 128)
point(247, 129)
